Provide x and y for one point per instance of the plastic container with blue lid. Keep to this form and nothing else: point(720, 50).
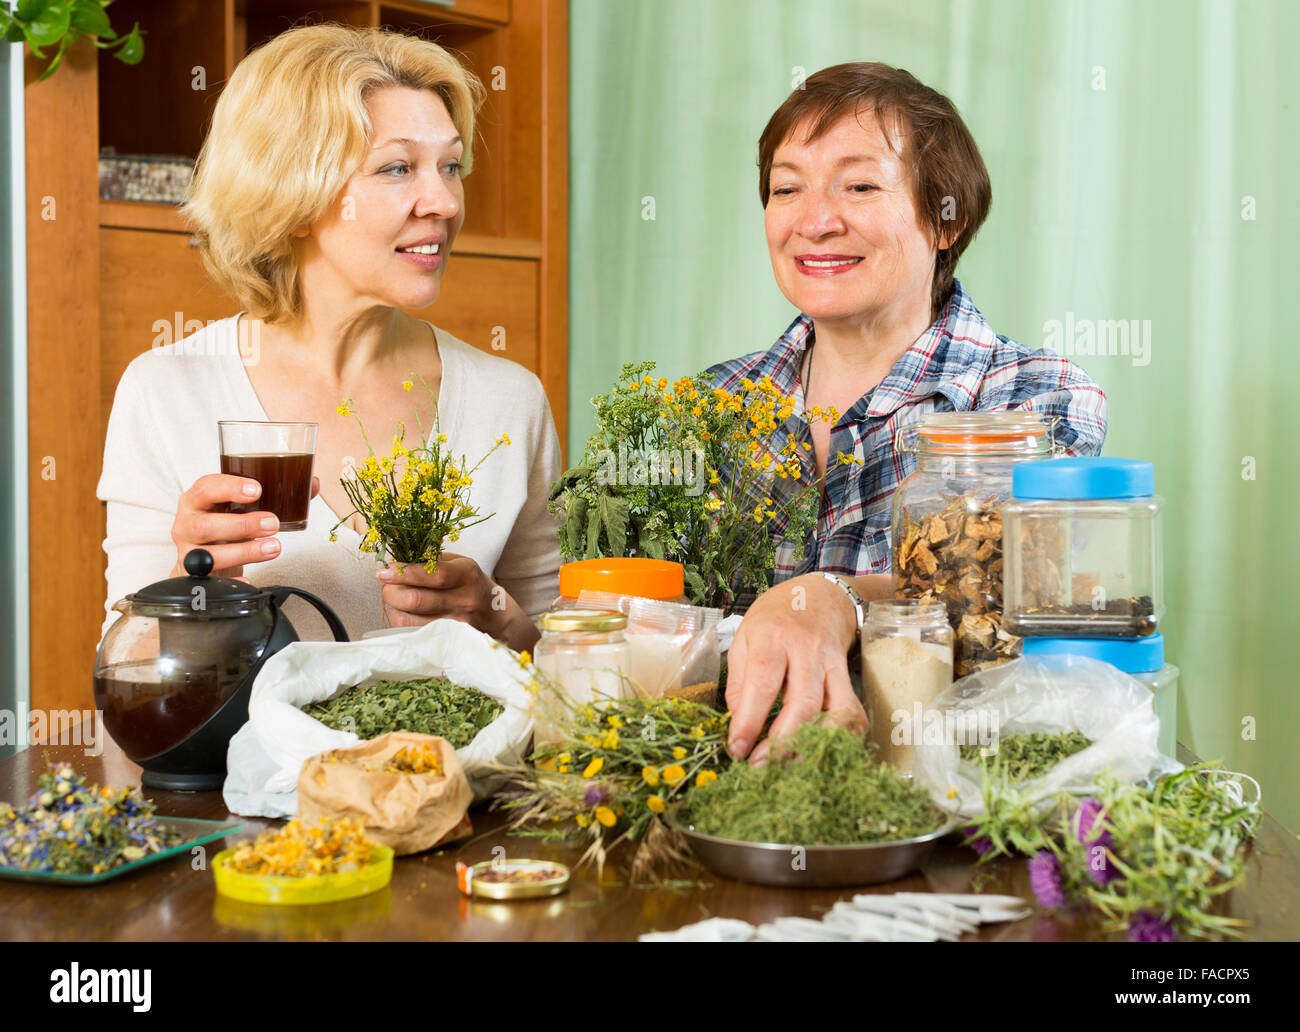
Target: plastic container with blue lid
point(1081, 544)
point(1142, 658)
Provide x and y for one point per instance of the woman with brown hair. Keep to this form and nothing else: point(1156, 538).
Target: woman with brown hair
point(872, 188)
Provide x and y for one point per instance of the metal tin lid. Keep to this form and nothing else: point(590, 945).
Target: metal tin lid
point(1084, 477)
point(512, 879)
point(180, 590)
point(1132, 655)
point(975, 434)
point(591, 621)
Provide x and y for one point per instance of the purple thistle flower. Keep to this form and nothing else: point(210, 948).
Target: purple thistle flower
point(594, 797)
point(1092, 834)
point(1089, 834)
point(1147, 927)
point(982, 845)
point(1045, 879)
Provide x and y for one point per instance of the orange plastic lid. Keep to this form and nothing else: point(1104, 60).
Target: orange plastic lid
point(644, 578)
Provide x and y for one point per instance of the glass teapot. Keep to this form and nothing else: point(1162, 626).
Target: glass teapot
point(173, 675)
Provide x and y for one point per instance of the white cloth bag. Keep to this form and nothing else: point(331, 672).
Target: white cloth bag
point(267, 753)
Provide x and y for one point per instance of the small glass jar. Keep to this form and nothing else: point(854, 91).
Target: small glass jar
point(946, 529)
point(1083, 550)
point(1142, 659)
point(907, 649)
point(585, 653)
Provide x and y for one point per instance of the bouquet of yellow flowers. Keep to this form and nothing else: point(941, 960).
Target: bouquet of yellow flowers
point(416, 500)
point(695, 474)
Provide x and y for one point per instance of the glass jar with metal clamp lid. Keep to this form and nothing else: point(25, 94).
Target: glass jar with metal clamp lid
point(946, 529)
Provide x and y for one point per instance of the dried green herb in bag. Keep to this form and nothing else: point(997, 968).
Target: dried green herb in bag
point(1027, 755)
point(431, 706)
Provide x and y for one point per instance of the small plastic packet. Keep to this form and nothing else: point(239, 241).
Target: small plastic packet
point(672, 647)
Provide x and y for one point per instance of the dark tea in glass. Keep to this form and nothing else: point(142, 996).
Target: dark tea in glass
point(279, 457)
point(286, 485)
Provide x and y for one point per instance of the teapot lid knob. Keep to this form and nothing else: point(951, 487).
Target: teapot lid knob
point(198, 562)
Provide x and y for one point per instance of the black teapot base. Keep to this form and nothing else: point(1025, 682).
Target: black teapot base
point(182, 782)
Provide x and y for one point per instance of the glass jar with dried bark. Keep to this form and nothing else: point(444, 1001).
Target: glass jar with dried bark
point(947, 532)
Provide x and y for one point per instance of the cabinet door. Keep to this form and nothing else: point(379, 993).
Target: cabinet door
point(153, 291)
point(491, 303)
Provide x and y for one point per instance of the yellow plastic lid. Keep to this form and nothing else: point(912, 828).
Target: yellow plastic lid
point(319, 888)
point(644, 578)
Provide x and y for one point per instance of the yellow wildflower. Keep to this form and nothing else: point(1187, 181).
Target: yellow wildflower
point(584, 819)
point(593, 768)
point(673, 774)
point(650, 775)
point(610, 739)
point(615, 721)
point(606, 816)
point(655, 803)
point(344, 409)
point(407, 385)
point(679, 753)
point(705, 777)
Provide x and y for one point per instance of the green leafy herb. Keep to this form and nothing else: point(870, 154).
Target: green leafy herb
point(825, 788)
point(433, 706)
point(1028, 755)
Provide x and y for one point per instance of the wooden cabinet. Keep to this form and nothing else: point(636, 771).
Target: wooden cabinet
point(107, 273)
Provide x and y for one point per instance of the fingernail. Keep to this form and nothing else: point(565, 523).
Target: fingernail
point(270, 523)
point(385, 574)
point(252, 490)
point(738, 746)
point(270, 547)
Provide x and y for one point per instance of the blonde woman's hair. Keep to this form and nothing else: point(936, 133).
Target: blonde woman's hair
point(289, 130)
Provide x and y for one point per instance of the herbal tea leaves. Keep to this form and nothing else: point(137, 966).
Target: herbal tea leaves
point(70, 828)
point(826, 789)
point(433, 706)
point(1029, 755)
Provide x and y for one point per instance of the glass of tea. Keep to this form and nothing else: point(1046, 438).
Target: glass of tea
point(279, 457)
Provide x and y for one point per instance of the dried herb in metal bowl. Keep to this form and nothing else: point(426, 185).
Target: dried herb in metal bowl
point(824, 788)
point(1027, 755)
point(428, 706)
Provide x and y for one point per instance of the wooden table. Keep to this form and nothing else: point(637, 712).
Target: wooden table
point(173, 900)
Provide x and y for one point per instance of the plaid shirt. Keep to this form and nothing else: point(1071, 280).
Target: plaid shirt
point(958, 364)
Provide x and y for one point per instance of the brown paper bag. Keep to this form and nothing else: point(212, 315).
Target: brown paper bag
point(409, 812)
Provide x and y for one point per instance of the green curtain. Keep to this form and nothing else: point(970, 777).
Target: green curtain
point(1141, 155)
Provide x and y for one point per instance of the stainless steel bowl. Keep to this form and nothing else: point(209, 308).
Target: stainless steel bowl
point(811, 867)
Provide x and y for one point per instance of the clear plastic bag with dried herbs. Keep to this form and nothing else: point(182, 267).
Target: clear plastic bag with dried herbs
point(1048, 696)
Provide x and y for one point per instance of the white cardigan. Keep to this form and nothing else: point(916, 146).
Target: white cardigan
point(162, 436)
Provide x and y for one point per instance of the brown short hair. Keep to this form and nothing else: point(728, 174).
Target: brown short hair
point(948, 177)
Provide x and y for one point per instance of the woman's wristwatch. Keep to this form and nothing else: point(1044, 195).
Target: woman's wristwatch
point(859, 606)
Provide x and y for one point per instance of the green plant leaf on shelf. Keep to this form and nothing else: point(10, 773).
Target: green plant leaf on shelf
point(45, 21)
point(89, 16)
point(132, 49)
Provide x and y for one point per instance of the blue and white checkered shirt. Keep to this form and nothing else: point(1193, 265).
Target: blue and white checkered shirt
point(959, 364)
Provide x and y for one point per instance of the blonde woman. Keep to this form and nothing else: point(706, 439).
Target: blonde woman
point(327, 199)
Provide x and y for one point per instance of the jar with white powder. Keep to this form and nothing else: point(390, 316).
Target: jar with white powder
point(907, 648)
